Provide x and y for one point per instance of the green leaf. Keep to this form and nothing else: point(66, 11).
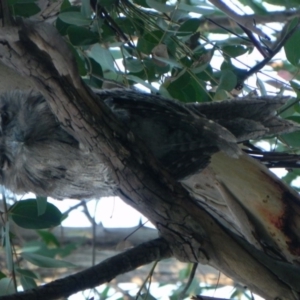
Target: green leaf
point(235, 50)
point(26, 273)
point(103, 57)
point(61, 26)
point(39, 247)
point(145, 46)
point(160, 6)
point(46, 262)
point(79, 60)
point(104, 293)
point(25, 214)
point(220, 95)
point(260, 84)
point(86, 9)
point(291, 175)
point(41, 205)
point(65, 5)
point(150, 40)
point(131, 26)
point(80, 36)
point(292, 50)
point(141, 3)
point(96, 74)
point(227, 81)
point(189, 27)
point(27, 283)
point(151, 70)
point(284, 3)
point(171, 62)
point(291, 139)
point(257, 7)
point(108, 4)
point(294, 118)
point(2, 275)
point(296, 88)
point(187, 88)
point(74, 18)
point(6, 286)
point(196, 9)
point(48, 237)
point(142, 82)
point(25, 9)
point(133, 65)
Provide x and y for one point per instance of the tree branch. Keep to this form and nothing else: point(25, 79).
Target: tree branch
point(103, 272)
point(238, 18)
point(224, 22)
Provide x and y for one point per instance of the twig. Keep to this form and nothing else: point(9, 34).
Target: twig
point(224, 22)
point(273, 52)
point(255, 42)
point(276, 159)
point(238, 18)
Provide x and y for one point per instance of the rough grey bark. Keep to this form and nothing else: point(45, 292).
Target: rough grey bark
point(192, 233)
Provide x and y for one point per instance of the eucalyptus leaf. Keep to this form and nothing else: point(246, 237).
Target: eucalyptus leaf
point(25, 9)
point(6, 286)
point(25, 214)
point(46, 262)
point(74, 18)
point(26, 273)
point(27, 283)
point(142, 82)
point(160, 6)
point(292, 50)
point(195, 9)
point(189, 27)
point(228, 81)
point(81, 36)
point(103, 57)
point(41, 205)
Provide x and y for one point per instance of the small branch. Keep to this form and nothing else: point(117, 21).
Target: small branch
point(215, 22)
point(255, 42)
point(104, 272)
point(261, 64)
point(199, 297)
point(238, 18)
point(276, 159)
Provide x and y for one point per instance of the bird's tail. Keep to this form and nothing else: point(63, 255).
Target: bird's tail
point(247, 118)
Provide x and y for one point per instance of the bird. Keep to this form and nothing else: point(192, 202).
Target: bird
point(37, 155)
point(197, 143)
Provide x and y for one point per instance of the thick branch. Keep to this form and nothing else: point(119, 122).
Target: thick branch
point(104, 272)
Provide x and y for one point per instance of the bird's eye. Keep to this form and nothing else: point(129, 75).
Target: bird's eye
point(4, 163)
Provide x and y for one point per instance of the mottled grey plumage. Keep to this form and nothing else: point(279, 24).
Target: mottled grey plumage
point(38, 156)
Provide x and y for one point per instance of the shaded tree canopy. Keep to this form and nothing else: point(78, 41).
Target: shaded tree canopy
point(161, 43)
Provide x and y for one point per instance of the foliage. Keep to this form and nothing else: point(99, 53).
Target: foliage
point(167, 47)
